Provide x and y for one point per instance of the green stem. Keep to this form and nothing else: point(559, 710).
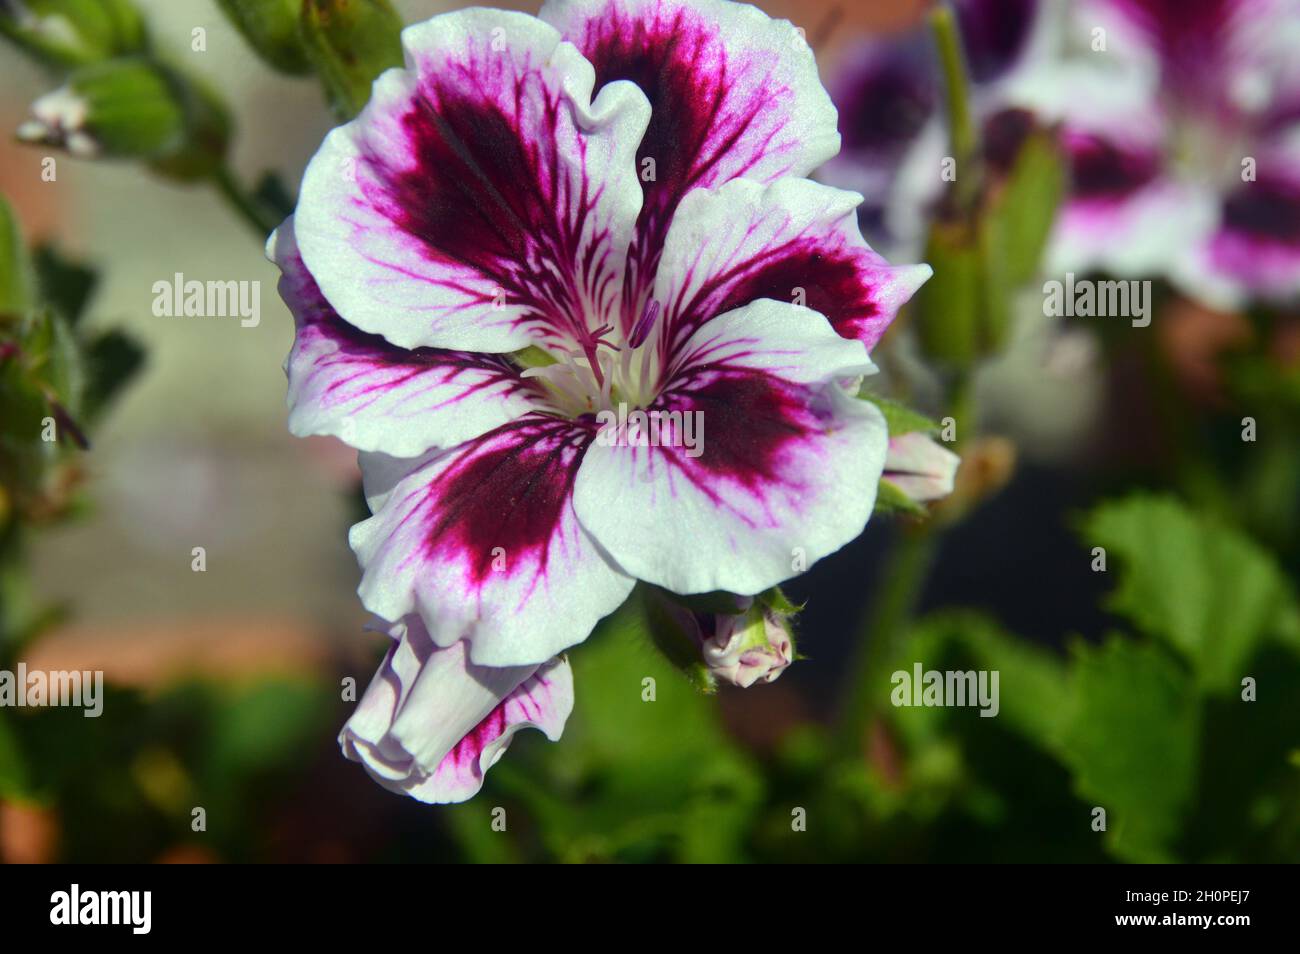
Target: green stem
point(961, 128)
point(883, 629)
point(244, 204)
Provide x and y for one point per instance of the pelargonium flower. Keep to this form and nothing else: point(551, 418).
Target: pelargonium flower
point(1183, 136)
point(890, 94)
point(539, 222)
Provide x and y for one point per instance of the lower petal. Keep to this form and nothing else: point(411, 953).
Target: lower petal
point(432, 723)
point(759, 465)
point(482, 542)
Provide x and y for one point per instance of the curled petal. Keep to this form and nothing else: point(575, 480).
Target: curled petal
point(761, 463)
point(482, 542)
point(374, 395)
point(920, 467)
point(432, 723)
point(734, 93)
point(481, 200)
point(795, 241)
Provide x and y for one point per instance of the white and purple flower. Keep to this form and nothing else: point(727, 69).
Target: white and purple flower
point(890, 95)
point(1183, 138)
point(488, 257)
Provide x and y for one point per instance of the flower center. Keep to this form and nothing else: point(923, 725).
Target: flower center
point(601, 374)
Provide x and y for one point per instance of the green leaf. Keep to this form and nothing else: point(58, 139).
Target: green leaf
point(899, 418)
point(15, 266)
point(112, 359)
point(64, 284)
point(1032, 682)
point(635, 778)
point(892, 499)
point(1131, 737)
point(1202, 586)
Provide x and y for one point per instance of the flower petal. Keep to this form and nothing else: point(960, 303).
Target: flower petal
point(734, 92)
point(781, 472)
point(920, 467)
point(483, 543)
point(377, 396)
point(1256, 247)
point(795, 241)
point(432, 723)
point(481, 199)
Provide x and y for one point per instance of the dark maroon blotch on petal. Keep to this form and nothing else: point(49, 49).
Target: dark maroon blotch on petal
point(508, 489)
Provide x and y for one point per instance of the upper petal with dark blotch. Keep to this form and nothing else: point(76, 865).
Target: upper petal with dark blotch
point(1255, 251)
point(432, 723)
point(762, 464)
point(483, 543)
point(795, 241)
point(374, 395)
point(734, 93)
point(480, 200)
point(994, 34)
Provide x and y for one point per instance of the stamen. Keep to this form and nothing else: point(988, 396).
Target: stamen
point(641, 331)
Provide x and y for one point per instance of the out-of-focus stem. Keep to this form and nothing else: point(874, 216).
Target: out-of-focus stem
point(961, 128)
point(243, 204)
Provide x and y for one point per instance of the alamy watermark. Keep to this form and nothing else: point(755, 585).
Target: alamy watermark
point(37, 688)
point(179, 298)
point(932, 687)
point(75, 906)
point(638, 428)
point(1089, 299)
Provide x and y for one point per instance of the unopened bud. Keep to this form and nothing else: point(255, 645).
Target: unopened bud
point(73, 32)
point(920, 467)
point(350, 42)
point(271, 28)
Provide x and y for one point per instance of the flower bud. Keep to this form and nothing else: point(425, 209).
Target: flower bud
point(350, 42)
point(271, 28)
point(73, 32)
point(751, 647)
point(123, 108)
point(920, 467)
point(131, 108)
point(752, 644)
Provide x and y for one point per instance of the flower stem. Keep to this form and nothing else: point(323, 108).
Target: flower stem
point(883, 629)
point(961, 128)
point(244, 204)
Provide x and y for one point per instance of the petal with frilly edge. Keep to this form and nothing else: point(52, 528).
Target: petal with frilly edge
point(480, 200)
point(482, 541)
point(432, 723)
point(377, 396)
point(795, 241)
point(759, 465)
point(735, 93)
